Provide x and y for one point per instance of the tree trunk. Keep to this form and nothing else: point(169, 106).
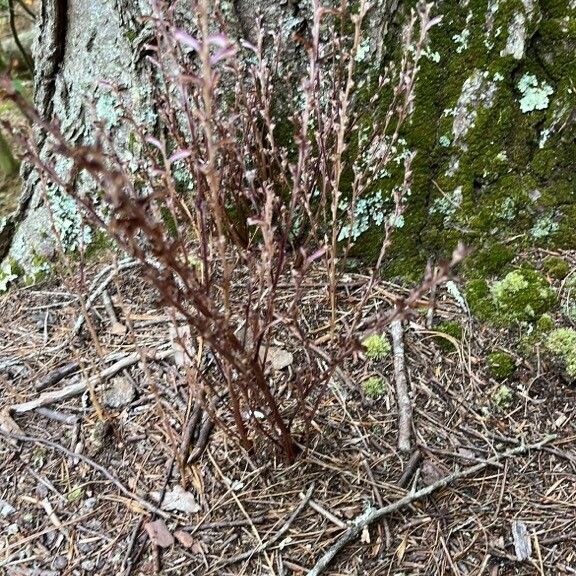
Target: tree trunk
point(493, 125)
point(79, 44)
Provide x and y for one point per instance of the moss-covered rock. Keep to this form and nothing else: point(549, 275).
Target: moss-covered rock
point(501, 365)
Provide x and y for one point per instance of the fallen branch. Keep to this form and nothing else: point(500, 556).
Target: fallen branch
point(402, 392)
point(74, 389)
point(56, 375)
point(371, 515)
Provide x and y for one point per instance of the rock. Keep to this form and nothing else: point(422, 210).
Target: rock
point(178, 499)
point(120, 393)
point(6, 509)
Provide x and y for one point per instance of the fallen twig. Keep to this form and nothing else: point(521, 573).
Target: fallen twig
point(402, 393)
point(56, 375)
point(410, 468)
point(132, 495)
point(68, 419)
point(276, 537)
point(82, 386)
point(371, 515)
point(202, 442)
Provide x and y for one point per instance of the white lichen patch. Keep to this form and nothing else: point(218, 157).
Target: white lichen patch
point(516, 42)
point(535, 94)
point(7, 275)
point(367, 212)
point(462, 40)
point(448, 203)
point(544, 227)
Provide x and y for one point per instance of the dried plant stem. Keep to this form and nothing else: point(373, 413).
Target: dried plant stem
point(372, 515)
point(74, 389)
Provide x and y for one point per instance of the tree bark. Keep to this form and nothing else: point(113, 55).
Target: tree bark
point(483, 147)
point(79, 44)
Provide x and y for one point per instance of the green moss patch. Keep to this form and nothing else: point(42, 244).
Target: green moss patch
point(376, 347)
point(561, 344)
point(523, 295)
point(479, 299)
point(374, 387)
point(556, 267)
point(452, 331)
point(501, 365)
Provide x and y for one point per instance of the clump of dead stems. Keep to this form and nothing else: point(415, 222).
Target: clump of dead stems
point(224, 211)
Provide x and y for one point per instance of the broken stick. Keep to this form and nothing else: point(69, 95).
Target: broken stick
point(371, 515)
point(402, 392)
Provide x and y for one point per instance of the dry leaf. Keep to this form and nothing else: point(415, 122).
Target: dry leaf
point(277, 358)
point(401, 550)
point(184, 538)
point(180, 500)
point(118, 329)
point(159, 533)
point(7, 424)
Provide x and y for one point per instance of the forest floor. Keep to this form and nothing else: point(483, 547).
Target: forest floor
point(93, 430)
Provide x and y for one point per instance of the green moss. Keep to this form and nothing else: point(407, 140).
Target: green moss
point(39, 270)
point(490, 260)
point(451, 329)
point(376, 347)
point(522, 296)
point(479, 299)
point(556, 267)
point(561, 344)
point(8, 273)
point(374, 387)
point(171, 226)
point(101, 242)
point(501, 365)
point(545, 324)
